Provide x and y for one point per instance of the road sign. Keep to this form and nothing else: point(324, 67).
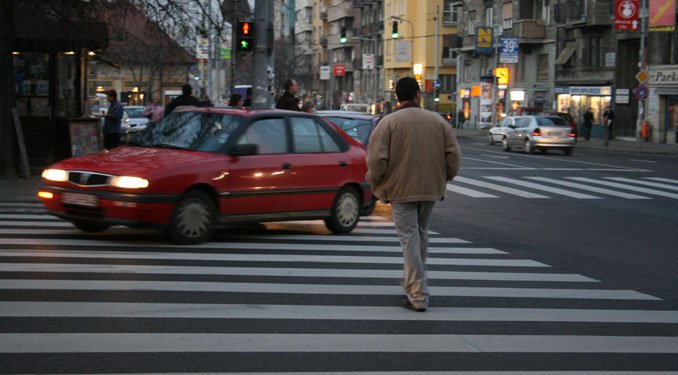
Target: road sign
point(437, 83)
point(325, 71)
point(509, 50)
point(368, 61)
point(339, 70)
point(626, 14)
point(484, 40)
point(642, 92)
point(642, 76)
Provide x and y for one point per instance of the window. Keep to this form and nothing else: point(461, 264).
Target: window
point(451, 12)
point(507, 16)
point(447, 83)
point(356, 128)
point(543, 67)
point(489, 16)
point(309, 137)
point(269, 135)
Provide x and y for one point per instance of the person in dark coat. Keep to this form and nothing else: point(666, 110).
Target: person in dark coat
point(287, 100)
point(113, 121)
point(608, 115)
point(185, 99)
point(235, 101)
point(461, 117)
point(588, 123)
point(248, 98)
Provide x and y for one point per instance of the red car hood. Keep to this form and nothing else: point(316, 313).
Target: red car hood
point(133, 161)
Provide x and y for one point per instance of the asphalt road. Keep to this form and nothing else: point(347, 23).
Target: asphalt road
point(525, 278)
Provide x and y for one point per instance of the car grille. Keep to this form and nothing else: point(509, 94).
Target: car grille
point(84, 212)
point(88, 179)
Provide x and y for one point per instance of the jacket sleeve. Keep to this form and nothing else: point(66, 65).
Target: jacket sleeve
point(452, 153)
point(378, 155)
point(115, 112)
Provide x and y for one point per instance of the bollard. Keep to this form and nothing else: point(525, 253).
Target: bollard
point(644, 131)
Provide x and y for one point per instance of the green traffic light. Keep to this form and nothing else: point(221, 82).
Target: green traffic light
point(394, 35)
point(244, 45)
point(343, 40)
point(436, 99)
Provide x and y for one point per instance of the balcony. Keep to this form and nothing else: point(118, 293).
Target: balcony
point(449, 61)
point(599, 14)
point(342, 10)
point(301, 4)
point(323, 16)
point(302, 27)
point(529, 30)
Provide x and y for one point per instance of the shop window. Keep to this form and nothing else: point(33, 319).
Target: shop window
point(31, 84)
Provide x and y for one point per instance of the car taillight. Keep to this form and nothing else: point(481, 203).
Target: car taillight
point(572, 134)
point(536, 132)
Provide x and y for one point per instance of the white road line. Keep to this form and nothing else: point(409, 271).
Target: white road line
point(499, 163)
point(589, 188)
point(469, 192)
point(293, 272)
point(380, 231)
point(625, 186)
point(23, 204)
point(646, 183)
point(34, 217)
point(52, 224)
point(661, 179)
point(232, 257)
point(259, 236)
point(331, 343)
point(253, 311)
point(504, 189)
point(549, 189)
point(643, 161)
point(495, 156)
point(327, 289)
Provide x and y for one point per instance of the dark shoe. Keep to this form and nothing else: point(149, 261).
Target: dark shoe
point(410, 306)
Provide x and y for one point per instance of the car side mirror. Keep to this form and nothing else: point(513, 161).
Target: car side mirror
point(244, 149)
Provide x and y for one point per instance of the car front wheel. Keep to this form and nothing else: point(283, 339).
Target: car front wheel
point(194, 219)
point(345, 211)
point(491, 139)
point(505, 144)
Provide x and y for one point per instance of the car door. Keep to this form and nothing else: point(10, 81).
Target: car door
point(319, 164)
point(259, 184)
point(518, 134)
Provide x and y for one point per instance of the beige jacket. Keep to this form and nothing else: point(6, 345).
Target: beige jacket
point(411, 155)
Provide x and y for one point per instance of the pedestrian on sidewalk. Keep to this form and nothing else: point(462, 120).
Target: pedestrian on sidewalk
point(185, 100)
point(154, 111)
point(287, 100)
point(397, 175)
point(588, 123)
point(608, 122)
point(113, 121)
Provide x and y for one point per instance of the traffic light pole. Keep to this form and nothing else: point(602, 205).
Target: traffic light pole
point(437, 58)
point(263, 13)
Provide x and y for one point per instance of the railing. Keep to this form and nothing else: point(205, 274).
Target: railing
point(342, 10)
point(529, 29)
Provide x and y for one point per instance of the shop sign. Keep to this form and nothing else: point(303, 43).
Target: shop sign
point(621, 96)
point(464, 93)
point(325, 71)
point(663, 76)
point(561, 90)
point(591, 90)
point(626, 15)
point(484, 40)
point(339, 70)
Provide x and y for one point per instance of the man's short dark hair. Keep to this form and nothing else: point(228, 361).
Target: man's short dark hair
point(407, 88)
point(112, 93)
point(288, 83)
point(187, 89)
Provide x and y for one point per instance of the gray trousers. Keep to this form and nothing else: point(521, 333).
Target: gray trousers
point(412, 221)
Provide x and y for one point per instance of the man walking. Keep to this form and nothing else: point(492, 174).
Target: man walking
point(186, 99)
point(411, 156)
point(112, 121)
point(588, 123)
point(287, 100)
point(608, 117)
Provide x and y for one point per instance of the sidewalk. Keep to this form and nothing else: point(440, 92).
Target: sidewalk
point(20, 190)
point(625, 145)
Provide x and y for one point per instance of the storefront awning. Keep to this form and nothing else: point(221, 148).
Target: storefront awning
point(566, 53)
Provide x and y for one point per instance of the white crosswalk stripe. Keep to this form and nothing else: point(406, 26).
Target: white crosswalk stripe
point(616, 187)
point(128, 298)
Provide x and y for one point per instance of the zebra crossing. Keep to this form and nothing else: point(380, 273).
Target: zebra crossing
point(291, 299)
point(574, 187)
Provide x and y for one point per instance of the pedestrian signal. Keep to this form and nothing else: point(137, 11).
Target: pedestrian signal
point(245, 35)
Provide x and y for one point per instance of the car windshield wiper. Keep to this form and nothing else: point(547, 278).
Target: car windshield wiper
point(167, 145)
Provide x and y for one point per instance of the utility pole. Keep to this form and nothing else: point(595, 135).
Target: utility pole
point(263, 14)
point(234, 47)
point(495, 40)
point(436, 19)
point(642, 64)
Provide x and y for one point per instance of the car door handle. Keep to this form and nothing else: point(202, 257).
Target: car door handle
point(342, 164)
point(287, 166)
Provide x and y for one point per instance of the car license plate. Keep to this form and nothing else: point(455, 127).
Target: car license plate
point(80, 199)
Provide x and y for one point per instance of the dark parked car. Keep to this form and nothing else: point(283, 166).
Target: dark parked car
point(357, 125)
point(569, 119)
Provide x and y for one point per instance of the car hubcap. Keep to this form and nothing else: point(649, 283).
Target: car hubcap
point(347, 210)
point(193, 219)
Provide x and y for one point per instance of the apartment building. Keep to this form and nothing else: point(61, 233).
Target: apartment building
point(423, 48)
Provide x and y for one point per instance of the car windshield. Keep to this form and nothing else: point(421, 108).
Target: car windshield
point(552, 121)
point(135, 112)
point(358, 129)
point(194, 131)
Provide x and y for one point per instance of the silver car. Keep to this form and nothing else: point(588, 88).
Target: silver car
point(498, 131)
point(539, 132)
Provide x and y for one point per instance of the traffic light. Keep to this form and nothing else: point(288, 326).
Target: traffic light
point(245, 36)
point(343, 38)
point(394, 30)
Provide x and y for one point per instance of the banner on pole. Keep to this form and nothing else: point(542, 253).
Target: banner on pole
point(626, 15)
point(662, 15)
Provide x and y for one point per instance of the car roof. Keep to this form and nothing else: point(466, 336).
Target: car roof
point(245, 112)
point(326, 113)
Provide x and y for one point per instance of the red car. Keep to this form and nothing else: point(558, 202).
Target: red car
point(205, 167)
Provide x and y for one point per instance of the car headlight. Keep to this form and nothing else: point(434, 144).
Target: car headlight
point(128, 182)
point(58, 175)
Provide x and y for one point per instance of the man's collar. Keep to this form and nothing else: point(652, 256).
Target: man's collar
point(408, 104)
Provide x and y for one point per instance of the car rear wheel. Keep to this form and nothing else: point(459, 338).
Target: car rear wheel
point(568, 151)
point(194, 219)
point(369, 208)
point(529, 149)
point(89, 227)
point(505, 144)
point(345, 211)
